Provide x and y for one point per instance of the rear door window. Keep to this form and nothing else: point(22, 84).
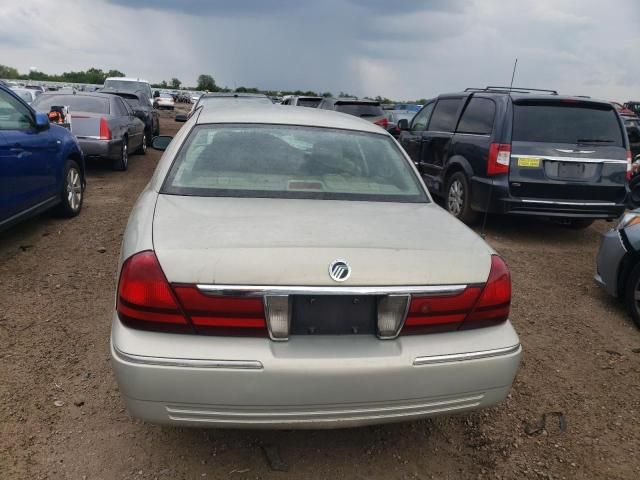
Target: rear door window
point(478, 117)
point(566, 123)
point(445, 115)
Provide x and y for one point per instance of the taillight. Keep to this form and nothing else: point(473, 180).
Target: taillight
point(222, 315)
point(383, 122)
point(495, 301)
point(499, 158)
point(145, 299)
point(476, 306)
point(105, 133)
point(629, 165)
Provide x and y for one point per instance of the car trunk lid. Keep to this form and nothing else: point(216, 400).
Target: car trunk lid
point(245, 241)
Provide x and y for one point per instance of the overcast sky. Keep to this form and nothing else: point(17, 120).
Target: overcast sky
point(401, 50)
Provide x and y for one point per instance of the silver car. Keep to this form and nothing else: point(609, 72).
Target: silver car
point(286, 268)
point(618, 262)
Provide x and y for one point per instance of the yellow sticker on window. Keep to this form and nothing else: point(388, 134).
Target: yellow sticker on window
point(529, 162)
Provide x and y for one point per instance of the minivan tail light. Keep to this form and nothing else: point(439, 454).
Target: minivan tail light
point(105, 132)
point(629, 165)
point(145, 299)
point(499, 158)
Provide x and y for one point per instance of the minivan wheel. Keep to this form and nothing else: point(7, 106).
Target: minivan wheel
point(458, 199)
point(72, 192)
point(145, 142)
point(122, 162)
point(632, 295)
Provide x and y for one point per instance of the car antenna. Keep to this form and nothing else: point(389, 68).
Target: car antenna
point(483, 233)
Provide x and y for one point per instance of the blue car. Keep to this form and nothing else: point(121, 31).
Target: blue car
point(41, 165)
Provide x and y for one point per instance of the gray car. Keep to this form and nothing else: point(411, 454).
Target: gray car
point(618, 262)
point(105, 125)
point(287, 268)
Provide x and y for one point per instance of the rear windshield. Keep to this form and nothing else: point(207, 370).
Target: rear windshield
point(274, 161)
point(360, 109)
point(230, 98)
point(566, 123)
point(128, 86)
point(76, 103)
point(134, 101)
point(309, 102)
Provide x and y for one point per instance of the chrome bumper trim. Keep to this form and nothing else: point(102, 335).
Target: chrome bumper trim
point(584, 204)
point(261, 290)
point(188, 362)
point(461, 357)
point(572, 159)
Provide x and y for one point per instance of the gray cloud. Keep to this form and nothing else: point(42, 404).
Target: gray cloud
point(407, 49)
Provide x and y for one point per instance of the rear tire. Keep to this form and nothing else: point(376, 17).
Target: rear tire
point(457, 198)
point(632, 295)
point(145, 144)
point(72, 193)
point(122, 163)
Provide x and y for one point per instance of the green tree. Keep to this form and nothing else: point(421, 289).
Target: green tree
point(114, 73)
point(327, 94)
point(8, 72)
point(206, 82)
point(175, 83)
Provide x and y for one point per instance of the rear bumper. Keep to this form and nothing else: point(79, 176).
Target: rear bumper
point(319, 382)
point(92, 147)
point(493, 195)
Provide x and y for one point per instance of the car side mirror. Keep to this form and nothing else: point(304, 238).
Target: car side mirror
point(403, 124)
point(161, 142)
point(181, 117)
point(42, 121)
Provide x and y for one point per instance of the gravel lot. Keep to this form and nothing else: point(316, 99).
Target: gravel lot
point(61, 416)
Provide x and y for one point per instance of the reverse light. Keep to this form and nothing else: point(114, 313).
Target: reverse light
point(105, 132)
point(629, 165)
point(278, 314)
point(499, 158)
point(392, 310)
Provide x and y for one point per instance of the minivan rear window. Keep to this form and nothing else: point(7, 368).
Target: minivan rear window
point(309, 102)
point(566, 123)
point(360, 109)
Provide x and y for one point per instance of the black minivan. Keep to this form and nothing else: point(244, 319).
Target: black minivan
point(522, 151)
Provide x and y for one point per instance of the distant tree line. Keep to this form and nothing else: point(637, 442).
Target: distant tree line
point(205, 82)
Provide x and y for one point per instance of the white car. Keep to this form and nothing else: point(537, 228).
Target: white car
point(287, 268)
point(27, 94)
point(164, 101)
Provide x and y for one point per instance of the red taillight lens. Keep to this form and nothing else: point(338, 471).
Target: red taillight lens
point(499, 158)
point(383, 122)
point(222, 315)
point(476, 306)
point(105, 133)
point(495, 301)
point(145, 298)
point(629, 165)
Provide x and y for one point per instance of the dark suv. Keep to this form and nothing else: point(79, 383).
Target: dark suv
point(522, 151)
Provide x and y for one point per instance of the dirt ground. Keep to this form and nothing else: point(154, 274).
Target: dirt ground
point(61, 416)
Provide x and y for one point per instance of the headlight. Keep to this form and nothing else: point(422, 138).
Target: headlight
point(628, 220)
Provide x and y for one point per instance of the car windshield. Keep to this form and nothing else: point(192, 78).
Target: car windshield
point(78, 103)
point(566, 123)
point(360, 109)
point(275, 161)
point(128, 86)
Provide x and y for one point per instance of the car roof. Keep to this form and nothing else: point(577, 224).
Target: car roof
point(283, 115)
point(517, 96)
point(113, 91)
